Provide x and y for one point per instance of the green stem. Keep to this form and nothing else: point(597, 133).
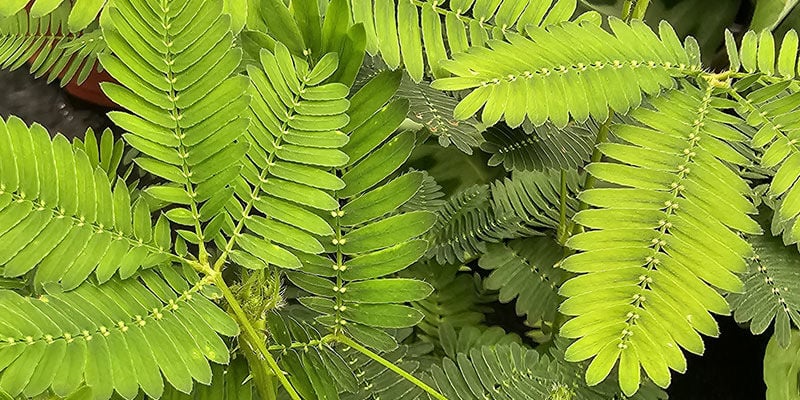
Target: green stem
point(253, 338)
point(386, 363)
point(263, 377)
point(563, 229)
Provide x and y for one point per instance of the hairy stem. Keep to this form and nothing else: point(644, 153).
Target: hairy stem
point(388, 364)
point(252, 337)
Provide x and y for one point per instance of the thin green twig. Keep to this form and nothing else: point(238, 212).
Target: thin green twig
point(386, 363)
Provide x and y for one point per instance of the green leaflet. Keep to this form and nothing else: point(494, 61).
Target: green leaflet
point(23, 36)
point(86, 334)
point(645, 277)
point(398, 30)
point(286, 171)
point(544, 147)
point(781, 369)
point(186, 129)
point(65, 206)
point(372, 239)
point(768, 294)
point(525, 271)
point(508, 209)
point(555, 84)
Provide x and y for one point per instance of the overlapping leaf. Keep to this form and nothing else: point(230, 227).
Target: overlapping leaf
point(371, 240)
point(771, 107)
point(60, 216)
point(46, 43)
point(295, 136)
point(545, 77)
point(510, 208)
point(119, 337)
point(660, 243)
point(526, 271)
point(771, 289)
point(176, 65)
point(544, 147)
point(82, 13)
point(417, 34)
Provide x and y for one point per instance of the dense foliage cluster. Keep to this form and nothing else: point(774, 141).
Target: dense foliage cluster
point(328, 199)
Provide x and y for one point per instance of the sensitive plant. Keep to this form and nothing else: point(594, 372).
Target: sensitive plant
point(326, 199)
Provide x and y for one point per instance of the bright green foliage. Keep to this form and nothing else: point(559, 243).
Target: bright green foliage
point(82, 13)
point(46, 41)
point(660, 243)
point(229, 382)
point(370, 239)
point(406, 32)
point(540, 148)
point(184, 105)
point(782, 368)
point(295, 138)
point(771, 289)
point(120, 336)
point(771, 108)
point(56, 203)
point(311, 195)
point(526, 270)
point(545, 78)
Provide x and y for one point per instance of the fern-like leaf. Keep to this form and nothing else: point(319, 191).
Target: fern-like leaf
point(371, 239)
point(771, 290)
point(120, 336)
point(544, 147)
point(467, 222)
point(317, 369)
point(459, 299)
point(771, 108)
point(505, 371)
point(61, 217)
point(544, 78)
point(52, 49)
point(526, 270)
point(376, 382)
point(413, 34)
point(660, 243)
point(82, 13)
point(186, 108)
point(295, 139)
point(510, 208)
point(434, 110)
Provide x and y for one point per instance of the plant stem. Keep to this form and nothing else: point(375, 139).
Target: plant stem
point(386, 363)
point(253, 337)
point(563, 229)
